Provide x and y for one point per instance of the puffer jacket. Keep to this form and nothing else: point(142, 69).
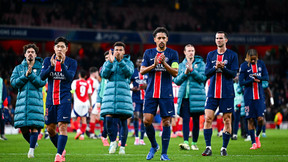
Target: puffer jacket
point(196, 79)
point(29, 104)
point(117, 100)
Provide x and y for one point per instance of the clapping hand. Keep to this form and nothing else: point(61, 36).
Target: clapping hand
point(111, 58)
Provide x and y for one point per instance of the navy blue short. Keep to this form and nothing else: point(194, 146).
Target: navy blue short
point(58, 113)
point(138, 107)
point(254, 108)
point(166, 106)
point(226, 105)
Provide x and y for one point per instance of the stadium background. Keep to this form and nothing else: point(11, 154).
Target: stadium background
point(93, 27)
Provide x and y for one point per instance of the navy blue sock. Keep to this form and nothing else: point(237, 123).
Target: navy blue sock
point(33, 139)
point(264, 128)
point(136, 127)
point(27, 137)
point(207, 136)
point(150, 131)
point(124, 132)
point(195, 130)
point(142, 130)
point(110, 128)
point(165, 139)
point(186, 128)
point(252, 135)
point(104, 133)
point(226, 137)
point(54, 140)
point(258, 129)
point(61, 144)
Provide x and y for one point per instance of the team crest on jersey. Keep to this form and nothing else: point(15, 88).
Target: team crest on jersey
point(195, 66)
point(166, 59)
point(35, 71)
point(259, 68)
point(225, 62)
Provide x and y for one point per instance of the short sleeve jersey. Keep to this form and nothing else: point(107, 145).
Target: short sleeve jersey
point(221, 85)
point(95, 86)
point(137, 80)
point(82, 89)
point(159, 80)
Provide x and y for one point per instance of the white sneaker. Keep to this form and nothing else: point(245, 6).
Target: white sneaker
point(184, 146)
point(142, 142)
point(31, 153)
point(122, 150)
point(113, 147)
point(219, 134)
point(194, 147)
point(136, 141)
point(248, 138)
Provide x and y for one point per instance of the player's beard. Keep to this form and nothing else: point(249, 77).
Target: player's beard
point(30, 59)
point(161, 45)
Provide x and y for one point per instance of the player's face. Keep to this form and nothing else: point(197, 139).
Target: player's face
point(60, 48)
point(30, 54)
point(106, 57)
point(138, 62)
point(119, 50)
point(161, 40)
point(189, 52)
point(220, 39)
point(253, 59)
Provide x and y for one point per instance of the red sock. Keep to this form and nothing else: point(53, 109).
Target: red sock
point(75, 123)
point(174, 129)
point(219, 124)
point(92, 127)
point(190, 125)
point(83, 128)
point(101, 126)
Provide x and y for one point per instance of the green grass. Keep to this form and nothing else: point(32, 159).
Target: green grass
point(274, 148)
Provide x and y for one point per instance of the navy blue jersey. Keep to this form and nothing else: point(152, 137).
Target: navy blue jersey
point(138, 79)
point(60, 78)
point(221, 84)
point(159, 80)
point(253, 90)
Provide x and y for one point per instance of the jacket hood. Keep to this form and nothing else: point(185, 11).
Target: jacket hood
point(196, 59)
point(126, 56)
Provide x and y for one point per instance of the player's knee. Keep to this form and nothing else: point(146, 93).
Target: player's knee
point(147, 122)
point(208, 119)
point(51, 131)
point(136, 115)
point(260, 119)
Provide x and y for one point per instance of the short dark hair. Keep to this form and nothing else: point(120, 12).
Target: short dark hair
point(160, 30)
point(31, 45)
point(93, 69)
point(188, 45)
point(82, 73)
point(106, 53)
point(61, 39)
point(119, 44)
point(222, 32)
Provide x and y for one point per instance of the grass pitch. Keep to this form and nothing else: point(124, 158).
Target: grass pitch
point(274, 148)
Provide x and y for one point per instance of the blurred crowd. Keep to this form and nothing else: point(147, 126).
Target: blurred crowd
point(244, 16)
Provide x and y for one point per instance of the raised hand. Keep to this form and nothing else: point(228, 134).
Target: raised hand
point(29, 70)
point(111, 58)
point(53, 60)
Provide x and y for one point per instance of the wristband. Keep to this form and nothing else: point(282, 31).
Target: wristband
point(271, 100)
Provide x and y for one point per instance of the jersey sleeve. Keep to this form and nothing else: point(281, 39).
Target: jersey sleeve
point(234, 60)
point(73, 85)
point(145, 61)
point(46, 68)
point(89, 89)
point(175, 60)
